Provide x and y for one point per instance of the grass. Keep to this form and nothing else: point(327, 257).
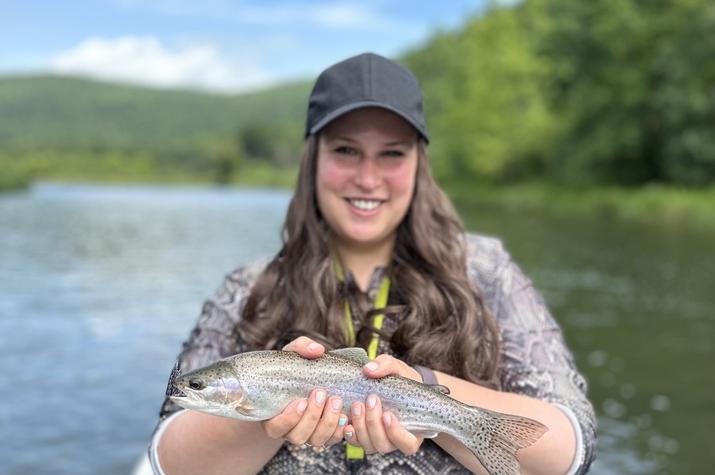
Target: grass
point(119, 167)
point(667, 205)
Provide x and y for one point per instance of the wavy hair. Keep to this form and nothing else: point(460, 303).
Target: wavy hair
point(443, 321)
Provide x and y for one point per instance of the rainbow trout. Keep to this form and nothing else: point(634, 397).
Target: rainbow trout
point(258, 385)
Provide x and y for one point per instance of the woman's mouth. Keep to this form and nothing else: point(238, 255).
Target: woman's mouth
point(364, 205)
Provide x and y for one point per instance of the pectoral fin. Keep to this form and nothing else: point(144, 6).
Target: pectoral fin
point(245, 408)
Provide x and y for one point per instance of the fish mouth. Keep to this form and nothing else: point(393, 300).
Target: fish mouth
point(178, 399)
point(178, 395)
point(187, 399)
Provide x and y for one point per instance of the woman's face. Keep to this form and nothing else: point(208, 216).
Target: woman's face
point(367, 162)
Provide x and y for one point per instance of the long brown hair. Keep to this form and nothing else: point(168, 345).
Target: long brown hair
point(444, 323)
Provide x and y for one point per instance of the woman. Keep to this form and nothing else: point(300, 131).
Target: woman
point(374, 255)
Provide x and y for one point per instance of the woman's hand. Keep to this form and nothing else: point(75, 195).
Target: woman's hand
point(317, 420)
point(375, 430)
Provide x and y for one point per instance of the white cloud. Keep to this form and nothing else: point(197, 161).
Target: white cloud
point(144, 60)
point(339, 15)
point(336, 15)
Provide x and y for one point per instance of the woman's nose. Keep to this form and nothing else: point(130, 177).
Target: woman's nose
point(368, 174)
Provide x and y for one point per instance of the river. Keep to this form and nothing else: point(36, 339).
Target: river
point(99, 285)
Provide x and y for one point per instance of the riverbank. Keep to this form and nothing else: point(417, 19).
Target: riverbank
point(669, 206)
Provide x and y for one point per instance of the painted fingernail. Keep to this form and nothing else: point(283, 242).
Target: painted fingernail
point(348, 434)
point(387, 418)
point(357, 410)
point(342, 421)
point(319, 397)
point(371, 401)
point(301, 406)
point(337, 404)
point(314, 347)
point(372, 366)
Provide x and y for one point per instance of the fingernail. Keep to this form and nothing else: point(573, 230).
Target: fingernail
point(372, 366)
point(301, 406)
point(314, 347)
point(371, 401)
point(319, 396)
point(342, 421)
point(357, 410)
point(387, 418)
point(348, 434)
point(337, 404)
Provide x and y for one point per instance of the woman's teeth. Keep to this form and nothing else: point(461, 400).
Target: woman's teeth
point(366, 205)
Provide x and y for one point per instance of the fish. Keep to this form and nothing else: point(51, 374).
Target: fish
point(258, 385)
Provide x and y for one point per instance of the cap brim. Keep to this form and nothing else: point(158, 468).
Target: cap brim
point(360, 105)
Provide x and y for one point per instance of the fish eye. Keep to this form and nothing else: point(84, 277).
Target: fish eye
point(196, 384)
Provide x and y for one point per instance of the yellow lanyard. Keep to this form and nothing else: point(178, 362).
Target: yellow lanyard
point(352, 452)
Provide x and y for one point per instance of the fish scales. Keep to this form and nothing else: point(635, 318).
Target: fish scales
point(258, 385)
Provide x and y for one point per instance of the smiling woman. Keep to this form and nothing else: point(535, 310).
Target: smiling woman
point(367, 162)
point(375, 256)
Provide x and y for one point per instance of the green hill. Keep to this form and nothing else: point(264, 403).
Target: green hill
point(515, 94)
point(65, 112)
point(60, 127)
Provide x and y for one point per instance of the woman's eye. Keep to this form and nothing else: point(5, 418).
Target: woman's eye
point(394, 153)
point(346, 150)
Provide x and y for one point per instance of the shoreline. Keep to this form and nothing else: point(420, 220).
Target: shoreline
point(653, 204)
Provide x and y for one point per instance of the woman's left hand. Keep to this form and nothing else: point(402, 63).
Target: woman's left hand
point(375, 430)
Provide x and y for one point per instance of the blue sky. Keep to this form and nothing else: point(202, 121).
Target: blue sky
point(218, 45)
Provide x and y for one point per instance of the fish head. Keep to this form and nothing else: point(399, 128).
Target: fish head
point(215, 389)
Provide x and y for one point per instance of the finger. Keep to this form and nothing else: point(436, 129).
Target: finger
point(349, 435)
point(379, 367)
point(361, 436)
point(328, 422)
point(385, 365)
point(305, 347)
point(277, 427)
point(373, 421)
point(339, 432)
point(301, 432)
point(405, 441)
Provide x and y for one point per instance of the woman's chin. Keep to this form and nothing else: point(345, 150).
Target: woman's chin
point(366, 240)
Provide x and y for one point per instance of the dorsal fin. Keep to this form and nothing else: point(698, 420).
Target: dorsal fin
point(439, 388)
point(355, 354)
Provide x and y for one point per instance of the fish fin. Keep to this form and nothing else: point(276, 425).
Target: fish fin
point(495, 438)
point(355, 354)
point(244, 408)
point(425, 433)
point(246, 411)
point(439, 388)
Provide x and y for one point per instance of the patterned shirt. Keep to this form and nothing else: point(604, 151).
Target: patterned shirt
point(535, 362)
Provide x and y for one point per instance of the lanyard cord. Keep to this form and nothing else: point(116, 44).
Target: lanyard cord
point(353, 453)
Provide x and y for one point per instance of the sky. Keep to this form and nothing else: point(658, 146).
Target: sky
point(215, 45)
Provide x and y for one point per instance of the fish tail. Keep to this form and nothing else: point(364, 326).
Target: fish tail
point(495, 438)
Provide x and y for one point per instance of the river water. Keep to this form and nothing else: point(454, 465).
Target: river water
point(99, 285)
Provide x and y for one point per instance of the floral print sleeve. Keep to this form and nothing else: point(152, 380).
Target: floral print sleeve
point(535, 359)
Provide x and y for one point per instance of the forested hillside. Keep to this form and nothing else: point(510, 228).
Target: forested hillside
point(68, 127)
point(556, 91)
point(577, 92)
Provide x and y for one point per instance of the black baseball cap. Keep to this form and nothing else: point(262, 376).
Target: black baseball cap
point(366, 80)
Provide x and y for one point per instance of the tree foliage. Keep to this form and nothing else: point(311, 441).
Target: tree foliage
point(634, 84)
point(598, 91)
point(574, 91)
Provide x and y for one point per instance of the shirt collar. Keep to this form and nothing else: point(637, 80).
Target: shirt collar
point(373, 285)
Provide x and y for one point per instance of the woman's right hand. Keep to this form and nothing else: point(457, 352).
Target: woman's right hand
point(318, 420)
